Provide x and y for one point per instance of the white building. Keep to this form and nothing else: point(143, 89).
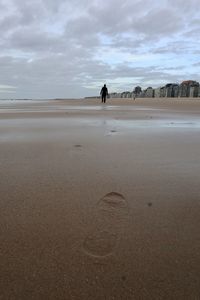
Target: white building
point(157, 93)
point(149, 93)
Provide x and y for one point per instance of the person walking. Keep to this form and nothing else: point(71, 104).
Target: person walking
point(104, 93)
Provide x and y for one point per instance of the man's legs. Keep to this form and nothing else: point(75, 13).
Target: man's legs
point(102, 98)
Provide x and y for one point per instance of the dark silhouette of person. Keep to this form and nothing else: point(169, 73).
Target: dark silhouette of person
point(104, 93)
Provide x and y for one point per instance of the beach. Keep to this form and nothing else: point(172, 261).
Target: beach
point(100, 201)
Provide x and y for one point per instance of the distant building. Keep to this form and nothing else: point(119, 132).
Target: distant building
point(194, 90)
point(142, 94)
point(115, 95)
point(168, 90)
point(175, 91)
point(137, 91)
point(163, 91)
point(191, 92)
point(188, 88)
point(171, 90)
point(185, 87)
point(157, 93)
point(149, 92)
point(126, 95)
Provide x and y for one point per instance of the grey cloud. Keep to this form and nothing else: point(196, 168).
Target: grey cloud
point(175, 47)
point(191, 34)
point(171, 68)
point(53, 6)
point(159, 22)
point(56, 74)
point(197, 64)
point(188, 7)
point(59, 77)
point(195, 22)
point(30, 41)
point(7, 23)
point(129, 18)
point(50, 48)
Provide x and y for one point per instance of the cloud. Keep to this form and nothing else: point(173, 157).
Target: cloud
point(6, 87)
point(158, 23)
point(69, 48)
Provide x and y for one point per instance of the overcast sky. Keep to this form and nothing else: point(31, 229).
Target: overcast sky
point(69, 48)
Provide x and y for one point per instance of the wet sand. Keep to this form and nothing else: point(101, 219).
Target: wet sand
point(100, 201)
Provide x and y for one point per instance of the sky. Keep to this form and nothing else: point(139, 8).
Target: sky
point(70, 48)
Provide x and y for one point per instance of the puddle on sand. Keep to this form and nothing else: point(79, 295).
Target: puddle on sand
point(110, 124)
point(13, 106)
point(45, 129)
point(131, 124)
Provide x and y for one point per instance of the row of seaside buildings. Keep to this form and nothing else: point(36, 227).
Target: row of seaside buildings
point(188, 88)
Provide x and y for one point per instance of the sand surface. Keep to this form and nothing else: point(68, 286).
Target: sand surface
point(100, 201)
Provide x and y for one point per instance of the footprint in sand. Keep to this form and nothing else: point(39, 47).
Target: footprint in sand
point(111, 132)
point(109, 223)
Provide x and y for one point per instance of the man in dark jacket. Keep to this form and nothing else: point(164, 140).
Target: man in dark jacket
point(104, 93)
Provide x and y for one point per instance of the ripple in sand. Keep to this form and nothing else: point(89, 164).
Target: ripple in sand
point(112, 212)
